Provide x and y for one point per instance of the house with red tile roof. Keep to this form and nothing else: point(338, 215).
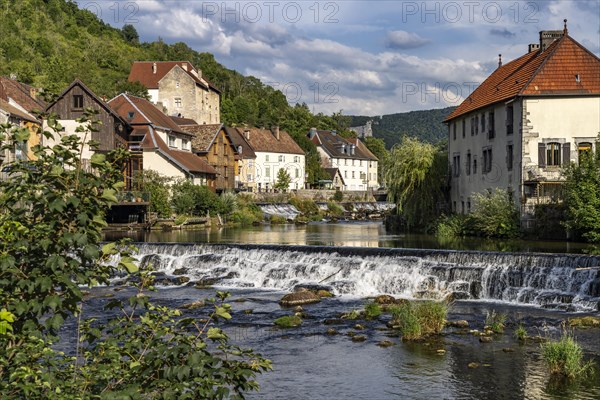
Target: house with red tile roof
point(268, 151)
point(179, 88)
point(159, 144)
point(356, 164)
point(530, 118)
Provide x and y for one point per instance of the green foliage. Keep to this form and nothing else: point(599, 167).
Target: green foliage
point(417, 181)
point(277, 220)
point(338, 195)
point(159, 187)
point(496, 321)
point(425, 125)
point(283, 180)
point(288, 321)
point(229, 202)
point(454, 226)
point(549, 220)
point(372, 310)
point(495, 215)
point(335, 210)
point(521, 333)
point(306, 206)
point(419, 319)
point(377, 147)
point(191, 199)
point(565, 357)
point(351, 315)
point(582, 195)
point(52, 213)
point(130, 34)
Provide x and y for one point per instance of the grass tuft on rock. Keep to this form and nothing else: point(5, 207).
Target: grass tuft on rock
point(565, 357)
point(288, 321)
point(417, 320)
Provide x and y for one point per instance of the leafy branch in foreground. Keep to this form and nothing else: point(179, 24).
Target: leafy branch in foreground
point(51, 218)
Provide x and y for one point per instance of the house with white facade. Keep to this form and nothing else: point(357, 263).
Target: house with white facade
point(157, 143)
point(356, 164)
point(273, 150)
point(179, 88)
point(527, 121)
point(246, 166)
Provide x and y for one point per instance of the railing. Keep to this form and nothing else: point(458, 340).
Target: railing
point(133, 196)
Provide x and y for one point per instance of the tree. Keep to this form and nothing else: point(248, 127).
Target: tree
point(133, 88)
point(283, 180)
point(158, 186)
point(495, 215)
point(51, 219)
point(582, 195)
point(191, 199)
point(416, 177)
point(377, 147)
point(130, 34)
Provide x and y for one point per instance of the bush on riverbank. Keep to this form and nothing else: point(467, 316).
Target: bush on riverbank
point(307, 207)
point(417, 320)
point(565, 357)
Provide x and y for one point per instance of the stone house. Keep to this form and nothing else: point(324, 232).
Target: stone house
point(530, 118)
point(180, 89)
point(246, 171)
point(159, 144)
point(356, 164)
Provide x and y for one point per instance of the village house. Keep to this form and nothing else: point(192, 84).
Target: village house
point(70, 105)
point(246, 171)
point(180, 89)
point(159, 144)
point(273, 150)
point(336, 182)
point(20, 106)
point(212, 143)
point(529, 119)
point(356, 164)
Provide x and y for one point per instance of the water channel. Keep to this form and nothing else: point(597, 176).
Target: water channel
point(534, 284)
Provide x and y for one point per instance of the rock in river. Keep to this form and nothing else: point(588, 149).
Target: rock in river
point(299, 298)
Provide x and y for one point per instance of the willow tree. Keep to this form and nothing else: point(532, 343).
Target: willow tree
point(416, 177)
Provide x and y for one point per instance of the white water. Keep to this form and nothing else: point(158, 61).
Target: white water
point(290, 212)
point(562, 281)
point(285, 210)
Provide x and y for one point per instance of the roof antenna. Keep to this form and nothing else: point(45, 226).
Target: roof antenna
point(565, 30)
point(499, 60)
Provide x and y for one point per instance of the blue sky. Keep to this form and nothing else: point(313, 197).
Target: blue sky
point(362, 57)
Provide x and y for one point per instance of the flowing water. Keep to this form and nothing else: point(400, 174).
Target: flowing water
point(537, 290)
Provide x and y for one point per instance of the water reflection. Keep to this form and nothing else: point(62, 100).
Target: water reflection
point(358, 234)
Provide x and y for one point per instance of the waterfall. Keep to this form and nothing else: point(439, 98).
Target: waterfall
point(570, 282)
point(285, 210)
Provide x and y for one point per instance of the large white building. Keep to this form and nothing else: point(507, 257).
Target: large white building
point(530, 118)
point(356, 164)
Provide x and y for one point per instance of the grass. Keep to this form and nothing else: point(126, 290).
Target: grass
point(288, 321)
point(496, 321)
point(417, 320)
point(565, 357)
point(521, 332)
point(372, 310)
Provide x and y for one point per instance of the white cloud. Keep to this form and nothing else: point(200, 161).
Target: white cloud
point(405, 40)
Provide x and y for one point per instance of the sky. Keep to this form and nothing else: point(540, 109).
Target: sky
point(359, 57)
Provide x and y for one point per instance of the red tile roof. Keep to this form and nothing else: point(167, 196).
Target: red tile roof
point(21, 94)
point(549, 72)
point(183, 121)
point(138, 111)
point(263, 140)
point(143, 71)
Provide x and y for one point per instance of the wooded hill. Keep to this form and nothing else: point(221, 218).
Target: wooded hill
point(425, 125)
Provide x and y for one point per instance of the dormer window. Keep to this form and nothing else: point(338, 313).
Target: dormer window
point(185, 144)
point(77, 101)
point(172, 141)
point(130, 115)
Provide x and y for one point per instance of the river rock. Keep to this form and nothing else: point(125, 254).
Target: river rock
point(359, 338)
point(461, 323)
point(473, 365)
point(333, 321)
point(385, 343)
point(299, 298)
point(193, 305)
point(385, 299)
point(359, 327)
point(331, 332)
point(180, 271)
point(485, 339)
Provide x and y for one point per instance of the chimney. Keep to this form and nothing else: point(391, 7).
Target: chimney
point(312, 133)
point(247, 134)
point(499, 60)
point(334, 133)
point(533, 47)
point(275, 131)
point(547, 37)
point(154, 68)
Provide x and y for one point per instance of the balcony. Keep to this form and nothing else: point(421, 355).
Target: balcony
point(133, 197)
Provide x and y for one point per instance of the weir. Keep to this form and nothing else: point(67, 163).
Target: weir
point(568, 282)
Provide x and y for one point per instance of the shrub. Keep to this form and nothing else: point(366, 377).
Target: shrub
point(246, 215)
point(276, 219)
point(307, 207)
point(338, 196)
point(158, 186)
point(419, 319)
point(453, 226)
point(495, 215)
point(192, 199)
point(372, 310)
point(334, 209)
point(496, 321)
point(565, 357)
point(229, 202)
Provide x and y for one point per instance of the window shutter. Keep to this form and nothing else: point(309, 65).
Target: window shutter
point(566, 155)
point(542, 155)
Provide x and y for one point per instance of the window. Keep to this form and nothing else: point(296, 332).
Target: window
point(297, 173)
point(509, 157)
point(492, 126)
point(249, 177)
point(177, 84)
point(185, 144)
point(474, 165)
point(281, 158)
point(454, 131)
point(268, 172)
point(509, 119)
point(553, 154)
point(178, 102)
point(487, 160)
point(172, 141)
point(468, 163)
point(456, 165)
point(463, 207)
point(345, 174)
point(472, 126)
point(477, 125)
point(469, 205)
point(353, 163)
point(296, 159)
point(267, 158)
point(482, 122)
point(77, 101)
point(584, 149)
point(464, 127)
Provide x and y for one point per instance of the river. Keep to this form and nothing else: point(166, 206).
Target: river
point(356, 261)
